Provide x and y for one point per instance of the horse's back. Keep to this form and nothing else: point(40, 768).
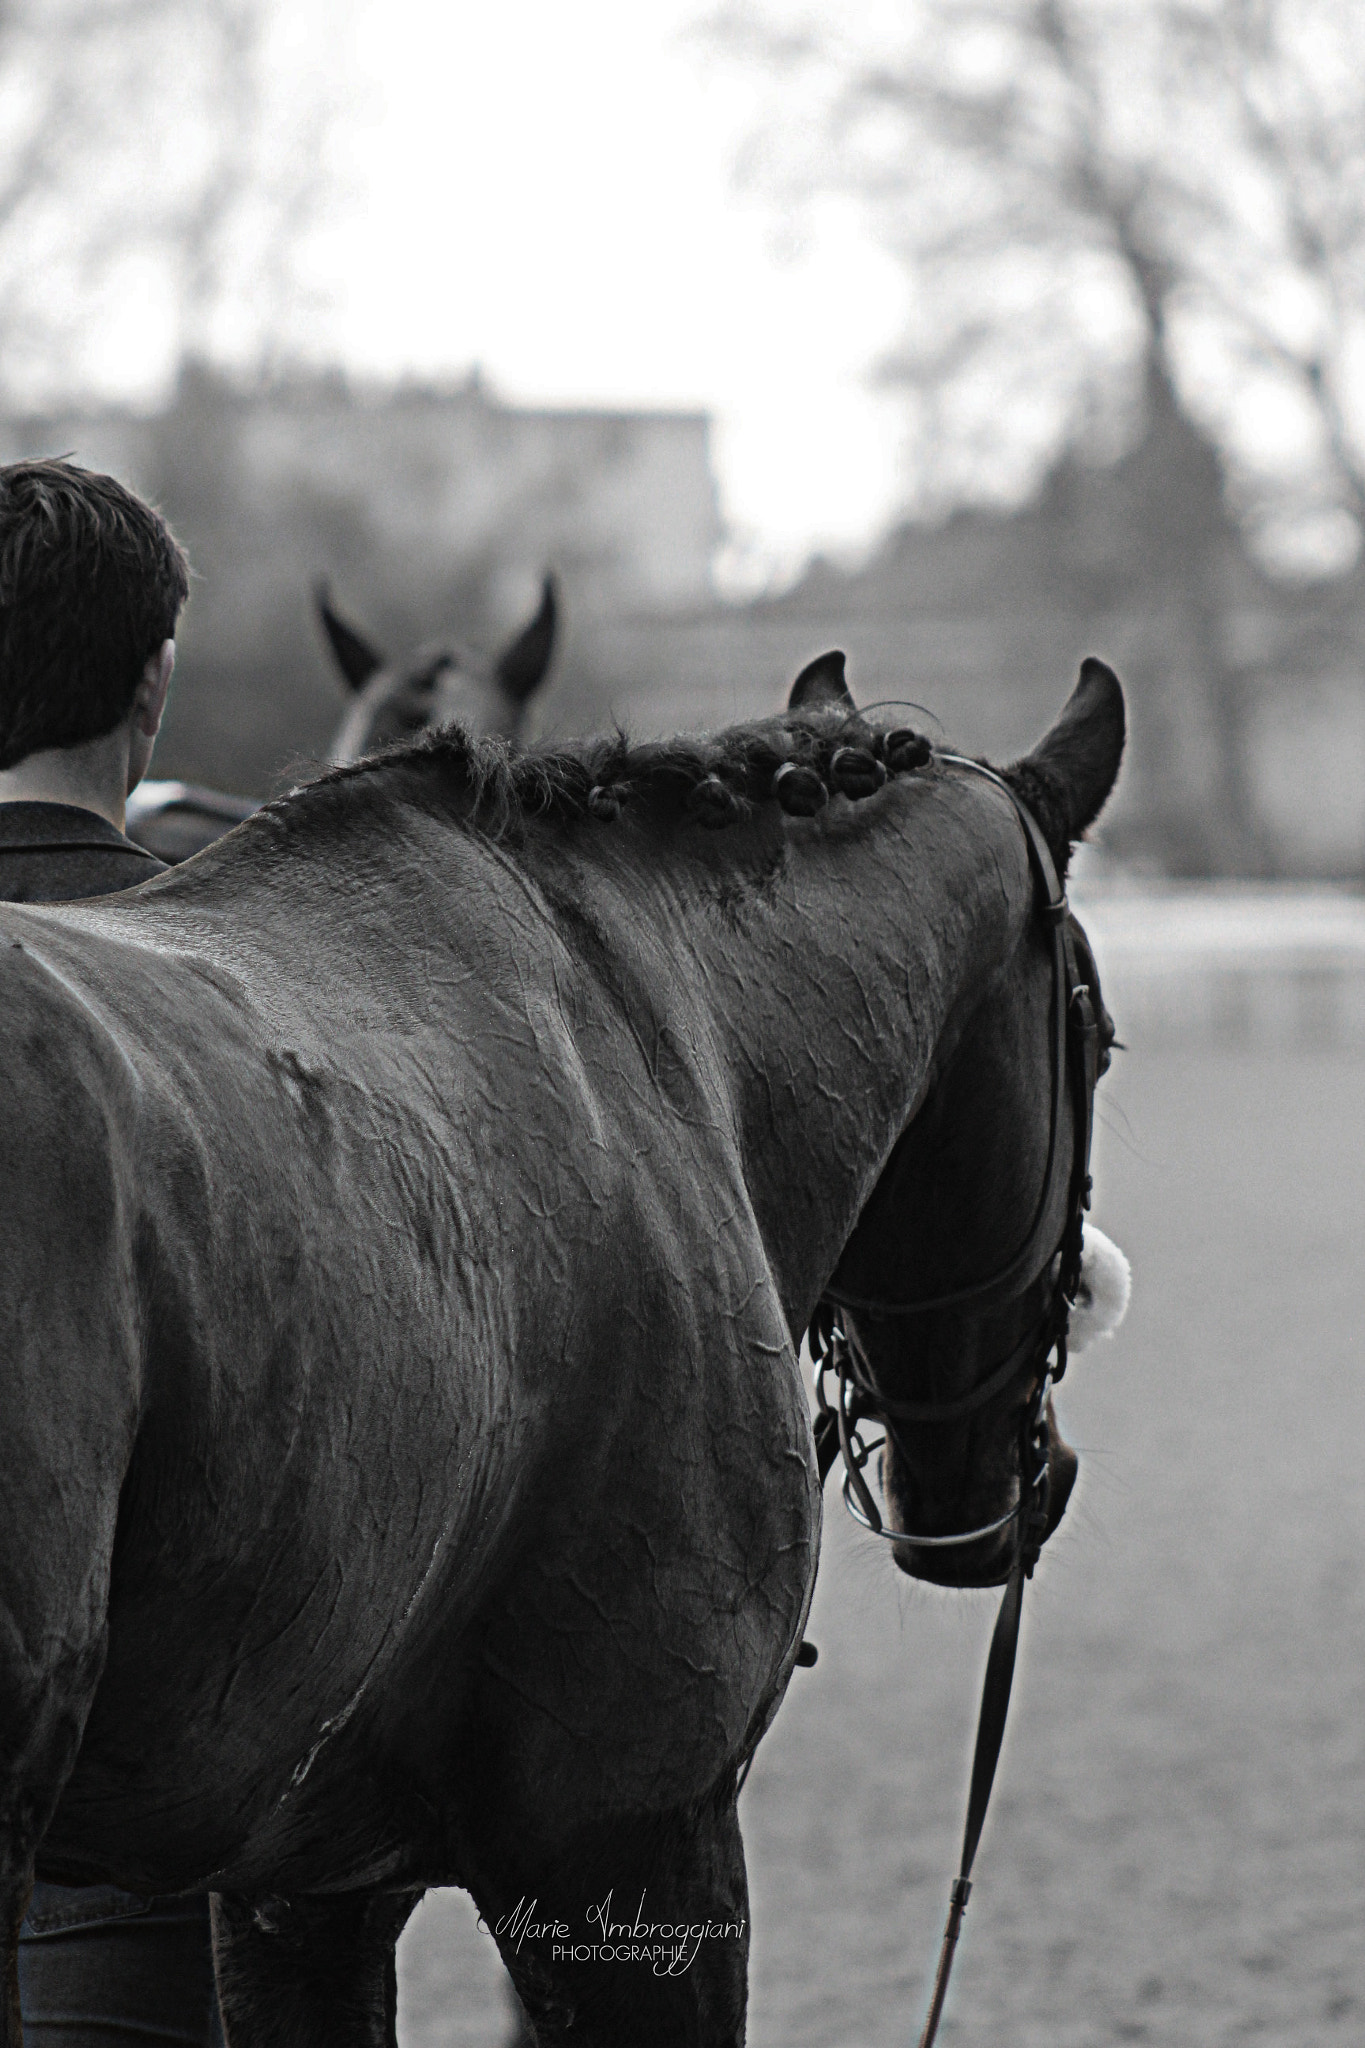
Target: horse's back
point(309, 1356)
point(396, 1250)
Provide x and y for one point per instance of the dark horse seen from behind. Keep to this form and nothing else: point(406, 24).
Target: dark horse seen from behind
point(409, 1217)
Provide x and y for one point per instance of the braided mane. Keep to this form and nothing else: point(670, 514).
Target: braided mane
point(798, 760)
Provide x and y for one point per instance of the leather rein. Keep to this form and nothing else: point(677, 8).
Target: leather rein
point(1032, 1368)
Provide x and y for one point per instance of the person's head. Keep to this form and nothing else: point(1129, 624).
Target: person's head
point(91, 585)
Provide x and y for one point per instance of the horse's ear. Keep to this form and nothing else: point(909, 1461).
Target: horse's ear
point(822, 681)
point(522, 664)
point(354, 655)
point(1067, 778)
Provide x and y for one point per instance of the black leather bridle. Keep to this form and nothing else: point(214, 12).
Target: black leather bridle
point(1033, 1367)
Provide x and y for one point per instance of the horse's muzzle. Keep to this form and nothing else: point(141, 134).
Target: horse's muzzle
point(1062, 1466)
point(988, 1561)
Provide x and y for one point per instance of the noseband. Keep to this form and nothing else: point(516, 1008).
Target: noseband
point(1034, 1365)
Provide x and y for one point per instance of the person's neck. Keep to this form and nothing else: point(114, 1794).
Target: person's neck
point(92, 776)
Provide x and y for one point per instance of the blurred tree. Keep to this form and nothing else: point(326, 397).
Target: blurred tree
point(153, 186)
point(1115, 221)
point(1277, 294)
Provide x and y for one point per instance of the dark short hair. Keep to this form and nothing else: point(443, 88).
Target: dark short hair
point(91, 583)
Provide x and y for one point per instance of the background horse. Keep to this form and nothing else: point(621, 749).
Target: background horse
point(437, 684)
point(409, 1216)
point(390, 700)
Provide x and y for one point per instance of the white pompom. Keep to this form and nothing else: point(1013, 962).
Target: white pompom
point(1102, 1298)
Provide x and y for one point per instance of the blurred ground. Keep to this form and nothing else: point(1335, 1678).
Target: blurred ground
point(1177, 1850)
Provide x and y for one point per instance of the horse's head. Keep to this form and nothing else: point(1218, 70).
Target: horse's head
point(437, 685)
point(956, 1284)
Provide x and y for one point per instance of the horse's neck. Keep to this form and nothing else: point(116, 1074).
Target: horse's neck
point(830, 993)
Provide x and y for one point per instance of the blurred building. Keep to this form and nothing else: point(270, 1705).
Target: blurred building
point(432, 510)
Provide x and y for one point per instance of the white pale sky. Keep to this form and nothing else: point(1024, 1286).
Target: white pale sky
point(550, 192)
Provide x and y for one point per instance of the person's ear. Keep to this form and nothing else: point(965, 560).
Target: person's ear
point(149, 699)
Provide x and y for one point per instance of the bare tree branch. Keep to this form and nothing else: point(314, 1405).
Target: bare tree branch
point(1210, 159)
point(136, 145)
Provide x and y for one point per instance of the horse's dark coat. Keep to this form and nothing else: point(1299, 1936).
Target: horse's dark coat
point(408, 1218)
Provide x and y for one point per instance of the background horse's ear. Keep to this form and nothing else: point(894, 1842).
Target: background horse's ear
point(354, 655)
point(822, 681)
point(522, 664)
point(1067, 778)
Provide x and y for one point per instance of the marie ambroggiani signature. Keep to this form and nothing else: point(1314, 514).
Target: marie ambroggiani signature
point(669, 1946)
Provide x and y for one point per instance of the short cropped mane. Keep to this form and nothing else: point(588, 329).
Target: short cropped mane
point(798, 760)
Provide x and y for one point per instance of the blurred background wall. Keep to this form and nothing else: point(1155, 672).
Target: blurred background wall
point(433, 513)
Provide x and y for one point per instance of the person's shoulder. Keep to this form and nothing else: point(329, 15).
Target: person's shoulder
point(57, 853)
